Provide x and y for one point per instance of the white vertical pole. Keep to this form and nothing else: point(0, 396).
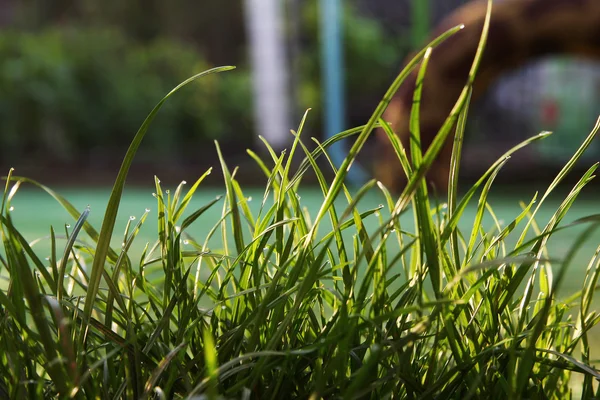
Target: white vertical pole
point(268, 61)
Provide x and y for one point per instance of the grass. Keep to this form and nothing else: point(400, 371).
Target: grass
point(34, 211)
point(299, 304)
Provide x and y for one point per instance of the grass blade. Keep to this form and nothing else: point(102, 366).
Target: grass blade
point(112, 208)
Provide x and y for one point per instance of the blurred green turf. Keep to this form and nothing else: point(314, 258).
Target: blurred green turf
point(34, 212)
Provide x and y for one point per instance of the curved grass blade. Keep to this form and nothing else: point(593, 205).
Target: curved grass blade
point(562, 174)
point(428, 239)
point(160, 369)
point(462, 205)
point(69, 246)
point(6, 191)
point(108, 224)
point(196, 214)
point(87, 227)
point(398, 148)
point(316, 153)
point(453, 175)
point(232, 199)
point(15, 234)
point(477, 224)
point(188, 197)
point(442, 135)
point(362, 137)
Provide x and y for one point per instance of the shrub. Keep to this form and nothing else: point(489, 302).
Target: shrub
point(69, 95)
point(283, 311)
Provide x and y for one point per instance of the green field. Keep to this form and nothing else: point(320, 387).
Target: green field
point(35, 211)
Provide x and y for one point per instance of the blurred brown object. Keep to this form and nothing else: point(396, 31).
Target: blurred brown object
point(520, 31)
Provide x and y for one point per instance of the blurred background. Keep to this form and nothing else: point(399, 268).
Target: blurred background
point(78, 78)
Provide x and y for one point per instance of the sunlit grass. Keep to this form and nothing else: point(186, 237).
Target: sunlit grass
point(299, 304)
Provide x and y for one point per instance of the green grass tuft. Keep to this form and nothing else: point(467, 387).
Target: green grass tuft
point(281, 310)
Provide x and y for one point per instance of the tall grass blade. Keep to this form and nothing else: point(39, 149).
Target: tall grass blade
point(112, 208)
point(69, 246)
point(362, 137)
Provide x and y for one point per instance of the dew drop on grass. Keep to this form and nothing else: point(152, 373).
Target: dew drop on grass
point(183, 182)
point(249, 199)
point(147, 210)
point(131, 218)
point(11, 208)
point(444, 206)
point(67, 226)
point(167, 191)
point(47, 258)
point(186, 242)
point(380, 206)
point(154, 194)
